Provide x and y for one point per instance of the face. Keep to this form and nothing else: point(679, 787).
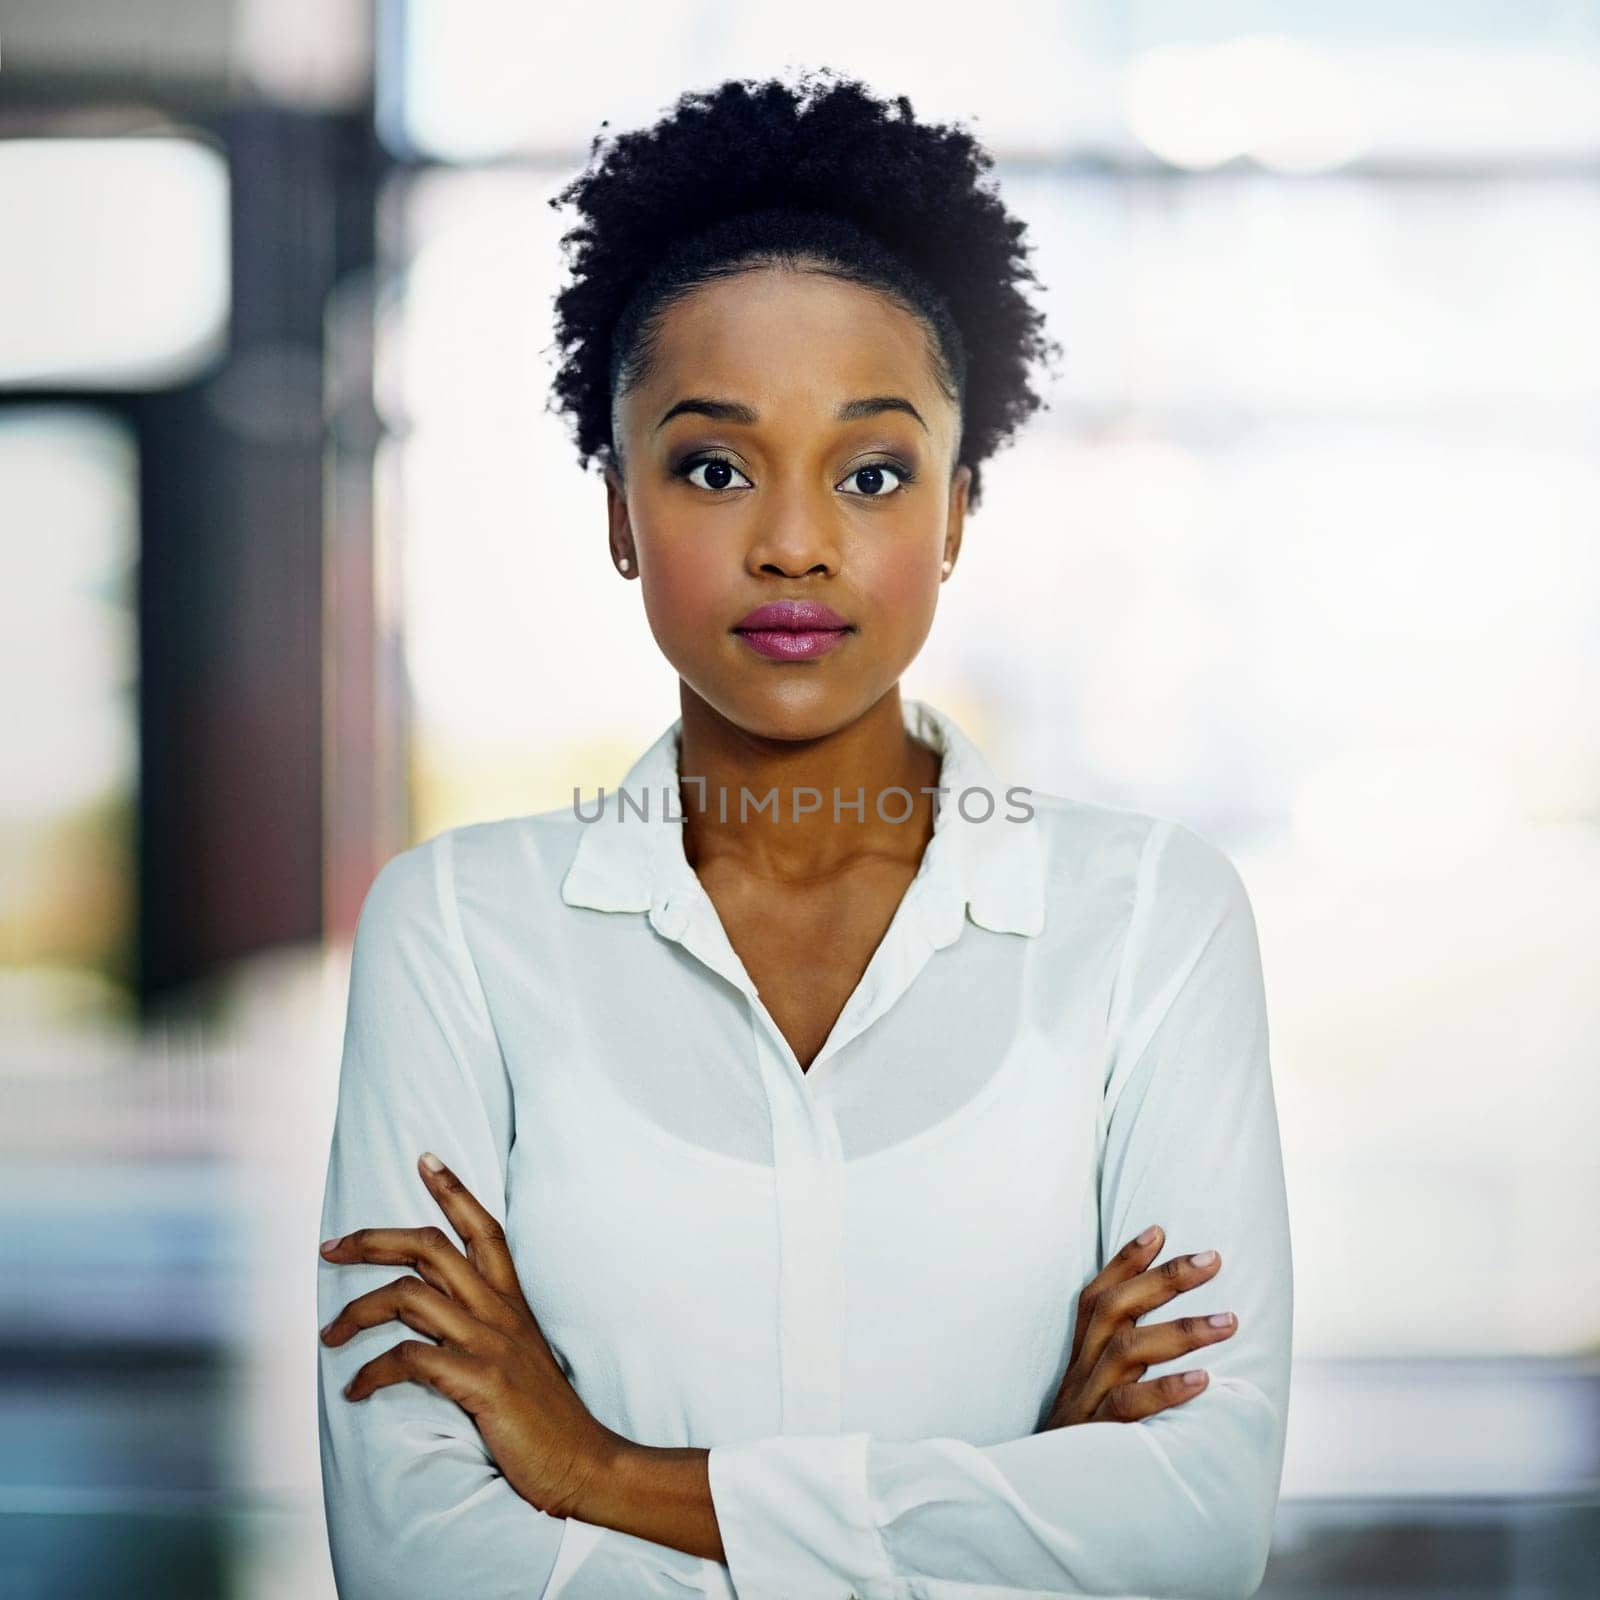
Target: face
point(787, 494)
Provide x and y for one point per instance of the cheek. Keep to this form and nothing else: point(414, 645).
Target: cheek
point(685, 586)
point(903, 586)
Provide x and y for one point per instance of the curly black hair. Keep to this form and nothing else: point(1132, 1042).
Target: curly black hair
point(819, 173)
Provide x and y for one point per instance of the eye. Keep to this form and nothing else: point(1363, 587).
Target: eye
point(717, 469)
point(874, 472)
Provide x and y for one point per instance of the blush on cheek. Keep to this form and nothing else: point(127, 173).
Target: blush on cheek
point(686, 597)
point(904, 586)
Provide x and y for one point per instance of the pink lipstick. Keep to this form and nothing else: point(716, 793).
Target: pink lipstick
point(792, 630)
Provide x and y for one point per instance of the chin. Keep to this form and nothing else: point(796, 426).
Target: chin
point(795, 704)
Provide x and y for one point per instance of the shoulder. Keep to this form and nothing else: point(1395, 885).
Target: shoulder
point(454, 899)
point(405, 889)
point(513, 863)
point(408, 915)
point(1145, 862)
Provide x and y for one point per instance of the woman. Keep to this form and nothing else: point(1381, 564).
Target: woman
point(844, 1107)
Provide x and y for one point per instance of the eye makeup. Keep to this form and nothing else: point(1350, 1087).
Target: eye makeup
point(904, 474)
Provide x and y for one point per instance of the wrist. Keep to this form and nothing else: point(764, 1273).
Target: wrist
point(613, 1473)
point(660, 1493)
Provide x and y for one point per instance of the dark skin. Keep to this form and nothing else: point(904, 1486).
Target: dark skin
point(866, 514)
point(800, 515)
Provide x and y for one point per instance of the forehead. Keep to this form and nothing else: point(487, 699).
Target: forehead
point(777, 329)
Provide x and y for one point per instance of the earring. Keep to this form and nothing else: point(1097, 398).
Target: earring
point(947, 567)
point(624, 563)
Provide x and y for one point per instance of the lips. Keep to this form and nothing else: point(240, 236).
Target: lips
point(793, 630)
point(791, 616)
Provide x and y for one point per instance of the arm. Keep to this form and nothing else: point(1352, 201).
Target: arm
point(415, 1504)
point(1180, 1503)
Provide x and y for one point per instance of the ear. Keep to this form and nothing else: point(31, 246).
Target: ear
point(620, 529)
point(955, 521)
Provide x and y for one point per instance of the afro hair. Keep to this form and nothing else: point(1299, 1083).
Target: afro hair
point(823, 172)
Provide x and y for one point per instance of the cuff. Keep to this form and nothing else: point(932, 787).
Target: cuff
point(595, 1563)
point(577, 1540)
point(796, 1518)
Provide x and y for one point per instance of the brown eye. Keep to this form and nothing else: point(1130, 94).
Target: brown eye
point(718, 472)
point(873, 477)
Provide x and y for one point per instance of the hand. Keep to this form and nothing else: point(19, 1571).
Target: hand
point(491, 1358)
point(1110, 1351)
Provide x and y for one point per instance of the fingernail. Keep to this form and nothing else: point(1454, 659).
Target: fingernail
point(1205, 1258)
point(347, 1388)
point(1220, 1319)
point(1148, 1236)
point(432, 1162)
point(329, 1244)
point(1193, 1380)
point(323, 1330)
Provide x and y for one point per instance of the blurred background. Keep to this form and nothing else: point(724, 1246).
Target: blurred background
point(1305, 552)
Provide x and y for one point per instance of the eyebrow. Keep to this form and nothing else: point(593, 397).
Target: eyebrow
point(747, 416)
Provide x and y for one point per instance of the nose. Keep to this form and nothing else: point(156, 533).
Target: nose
point(796, 534)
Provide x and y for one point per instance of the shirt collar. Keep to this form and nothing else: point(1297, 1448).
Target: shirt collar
point(979, 862)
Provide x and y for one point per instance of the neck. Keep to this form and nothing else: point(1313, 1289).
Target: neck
point(765, 803)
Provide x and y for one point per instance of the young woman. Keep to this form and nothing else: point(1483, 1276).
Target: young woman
point(782, 1163)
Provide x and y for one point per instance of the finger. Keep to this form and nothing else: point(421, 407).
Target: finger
point(480, 1231)
point(1128, 1402)
point(1124, 1303)
point(1132, 1350)
point(1155, 1286)
point(411, 1301)
point(1151, 1343)
point(430, 1251)
point(460, 1377)
point(1129, 1261)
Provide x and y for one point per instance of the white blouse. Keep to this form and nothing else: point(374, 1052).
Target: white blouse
point(856, 1285)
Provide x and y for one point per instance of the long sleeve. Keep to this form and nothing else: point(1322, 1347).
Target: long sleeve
point(416, 1506)
point(1180, 1503)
